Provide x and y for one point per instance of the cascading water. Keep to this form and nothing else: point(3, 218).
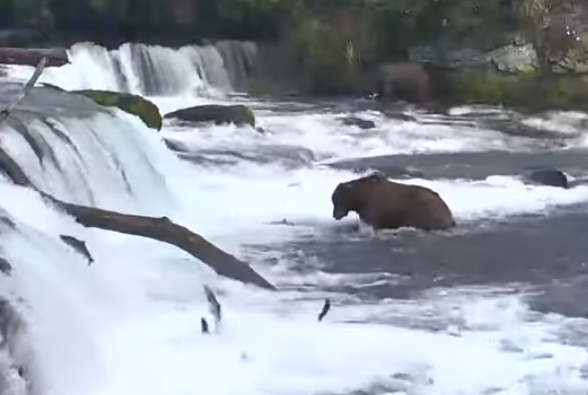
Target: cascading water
point(155, 70)
point(49, 135)
point(130, 322)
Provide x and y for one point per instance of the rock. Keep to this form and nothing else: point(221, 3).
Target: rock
point(510, 58)
point(359, 122)
point(502, 66)
point(237, 114)
point(568, 37)
point(133, 104)
point(549, 177)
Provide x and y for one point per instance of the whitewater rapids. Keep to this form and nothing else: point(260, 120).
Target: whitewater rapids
point(130, 323)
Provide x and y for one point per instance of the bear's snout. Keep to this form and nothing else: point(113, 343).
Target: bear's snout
point(339, 213)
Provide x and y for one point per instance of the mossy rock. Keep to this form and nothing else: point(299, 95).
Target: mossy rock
point(237, 114)
point(133, 104)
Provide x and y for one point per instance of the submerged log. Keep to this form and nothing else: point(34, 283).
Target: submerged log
point(56, 57)
point(163, 229)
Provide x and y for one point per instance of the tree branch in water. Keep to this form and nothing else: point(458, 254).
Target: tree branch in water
point(164, 230)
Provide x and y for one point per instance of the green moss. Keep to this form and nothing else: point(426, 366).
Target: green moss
point(526, 90)
point(133, 104)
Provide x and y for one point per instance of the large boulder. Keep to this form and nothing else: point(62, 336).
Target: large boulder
point(549, 177)
point(514, 57)
point(133, 104)
point(218, 114)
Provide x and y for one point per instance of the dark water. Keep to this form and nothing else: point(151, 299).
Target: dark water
point(549, 252)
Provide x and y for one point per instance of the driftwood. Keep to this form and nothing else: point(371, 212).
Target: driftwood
point(56, 57)
point(161, 229)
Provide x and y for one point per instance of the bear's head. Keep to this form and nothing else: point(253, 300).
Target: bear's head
point(349, 196)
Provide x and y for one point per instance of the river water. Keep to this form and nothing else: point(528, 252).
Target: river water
point(494, 306)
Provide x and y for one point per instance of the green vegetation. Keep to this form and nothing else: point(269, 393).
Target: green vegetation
point(374, 27)
point(527, 91)
point(332, 45)
point(133, 104)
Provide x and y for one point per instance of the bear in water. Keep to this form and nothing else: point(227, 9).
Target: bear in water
point(381, 204)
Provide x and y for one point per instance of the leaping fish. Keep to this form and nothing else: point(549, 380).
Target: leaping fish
point(204, 326)
point(213, 304)
point(79, 246)
point(5, 266)
point(325, 310)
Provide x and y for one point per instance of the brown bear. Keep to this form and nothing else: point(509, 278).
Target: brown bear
point(385, 204)
point(403, 81)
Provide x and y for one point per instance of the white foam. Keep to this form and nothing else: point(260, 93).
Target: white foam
point(565, 122)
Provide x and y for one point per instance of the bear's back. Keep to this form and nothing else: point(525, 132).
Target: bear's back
point(389, 204)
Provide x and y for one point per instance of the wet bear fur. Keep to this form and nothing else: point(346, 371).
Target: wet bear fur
point(385, 204)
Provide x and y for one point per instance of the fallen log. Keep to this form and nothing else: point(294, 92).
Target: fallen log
point(56, 57)
point(163, 229)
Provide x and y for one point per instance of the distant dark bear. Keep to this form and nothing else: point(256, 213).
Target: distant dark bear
point(385, 204)
point(403, 81)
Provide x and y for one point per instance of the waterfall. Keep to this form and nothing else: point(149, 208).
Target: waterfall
point(153, 70)
point(84, 153)
point(79, 152)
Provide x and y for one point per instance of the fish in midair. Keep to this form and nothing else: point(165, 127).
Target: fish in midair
point(204, 326)
point(213, 304)
point(5, 266)
point(79, 246)
point(325, 310)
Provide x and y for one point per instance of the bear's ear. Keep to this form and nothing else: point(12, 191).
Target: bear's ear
point(376, 176)
point(343, 186)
